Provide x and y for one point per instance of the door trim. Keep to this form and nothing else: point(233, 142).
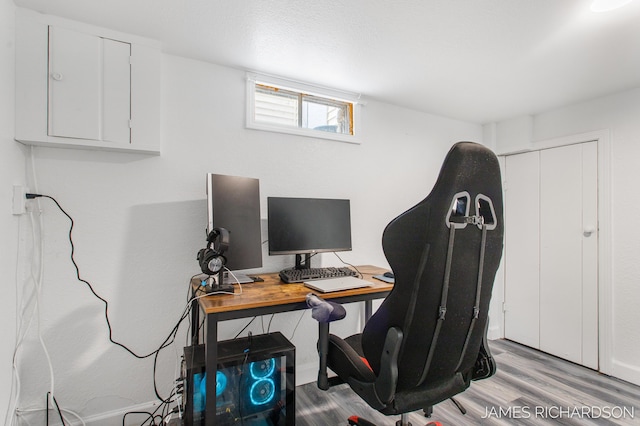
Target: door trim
point(605, 279)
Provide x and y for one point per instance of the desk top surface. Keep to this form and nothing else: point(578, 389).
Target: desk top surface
point(272, 292)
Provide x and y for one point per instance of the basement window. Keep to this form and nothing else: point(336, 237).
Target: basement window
point(285, 106)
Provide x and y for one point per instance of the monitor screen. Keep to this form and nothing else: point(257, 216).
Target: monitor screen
point(308, 225)
point(233, 203)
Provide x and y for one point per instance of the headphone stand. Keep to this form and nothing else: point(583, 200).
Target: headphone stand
point(220, 285)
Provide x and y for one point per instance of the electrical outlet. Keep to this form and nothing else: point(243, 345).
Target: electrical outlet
point(19, 199)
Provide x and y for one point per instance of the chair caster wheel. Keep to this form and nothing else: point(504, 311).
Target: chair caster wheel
point(358, 421)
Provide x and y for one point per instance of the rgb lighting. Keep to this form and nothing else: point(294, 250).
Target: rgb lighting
point(262, 369)
point(262, 391)
point(221, 383)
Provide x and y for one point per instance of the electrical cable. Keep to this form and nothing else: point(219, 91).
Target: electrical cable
point(55, 402)
point(38, 291)
point(297, 324)
point(21, 309)
point(77, 269)
point(269, 324)
point(349, 264)
point(149, 415)
point(22, 333)
point(213, 293)
point(14, 392)
point(165, 343)
point(63, 410)
point(168, 340)
point(24, 320)
point(244, 328)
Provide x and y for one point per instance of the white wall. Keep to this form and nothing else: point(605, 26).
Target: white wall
point(12, 172)
point(616, 115)
point(139, 221)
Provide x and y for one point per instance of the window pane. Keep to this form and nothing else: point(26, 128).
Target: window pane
point(320, 114)
point(276, 106)
point(300, 109)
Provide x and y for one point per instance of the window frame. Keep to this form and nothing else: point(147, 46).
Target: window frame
point(310, 91)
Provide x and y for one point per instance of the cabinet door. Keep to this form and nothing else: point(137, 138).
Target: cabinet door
point(89, 87)
point(74, 84)
point(116, 91)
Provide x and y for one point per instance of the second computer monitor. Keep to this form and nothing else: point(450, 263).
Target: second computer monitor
point(233, 202)
point(304, 226)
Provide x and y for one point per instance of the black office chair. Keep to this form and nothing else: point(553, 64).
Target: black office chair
point(427, 340)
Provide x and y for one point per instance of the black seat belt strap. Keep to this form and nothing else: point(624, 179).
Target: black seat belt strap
point(476, 305)
point(442, 310)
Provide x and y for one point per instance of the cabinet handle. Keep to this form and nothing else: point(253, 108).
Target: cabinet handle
point(56, 76)
point(588, 231)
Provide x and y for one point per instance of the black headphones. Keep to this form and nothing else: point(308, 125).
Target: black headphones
point(211, 259)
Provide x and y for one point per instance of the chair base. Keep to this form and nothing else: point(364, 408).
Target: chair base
point(359, 421)
point(404, 421)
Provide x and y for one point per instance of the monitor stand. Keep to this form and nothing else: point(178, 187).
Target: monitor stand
point(307, 261)
point(239, 278)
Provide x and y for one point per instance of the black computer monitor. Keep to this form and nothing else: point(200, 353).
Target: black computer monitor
point(233, 203)
point(305, 226)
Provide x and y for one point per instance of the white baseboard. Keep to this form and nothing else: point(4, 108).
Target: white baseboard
point(114, 417)
point(494, 333)
point(306, 373)
point(628, 373)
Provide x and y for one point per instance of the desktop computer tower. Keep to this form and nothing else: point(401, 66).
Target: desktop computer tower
point(255, 382)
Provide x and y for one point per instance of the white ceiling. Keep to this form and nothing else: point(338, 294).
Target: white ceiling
point(475, 60)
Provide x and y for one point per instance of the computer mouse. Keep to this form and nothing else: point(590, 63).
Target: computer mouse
point(388, 274)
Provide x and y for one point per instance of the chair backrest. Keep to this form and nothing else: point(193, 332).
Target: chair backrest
point(437, 268)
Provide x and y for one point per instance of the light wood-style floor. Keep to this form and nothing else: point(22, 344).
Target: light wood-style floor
point(529, 388)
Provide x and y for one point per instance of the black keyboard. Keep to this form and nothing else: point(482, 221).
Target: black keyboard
point(300, 275)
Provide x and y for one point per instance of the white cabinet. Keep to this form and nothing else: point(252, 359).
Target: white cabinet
point(85, 87)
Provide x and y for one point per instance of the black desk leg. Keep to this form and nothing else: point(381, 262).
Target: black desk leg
point(211, 366)
point(368, 310)
point(195, 320)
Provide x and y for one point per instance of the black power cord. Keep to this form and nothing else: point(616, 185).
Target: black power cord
point(167, 342)
point(50, 396)
point(75, 265)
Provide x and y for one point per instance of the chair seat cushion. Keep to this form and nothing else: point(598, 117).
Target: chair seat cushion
point(428, 394)
point(345, 358)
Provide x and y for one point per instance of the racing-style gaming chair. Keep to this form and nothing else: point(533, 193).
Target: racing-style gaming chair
point(427, 340)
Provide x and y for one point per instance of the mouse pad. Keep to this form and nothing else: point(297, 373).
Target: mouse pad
point(385, 279)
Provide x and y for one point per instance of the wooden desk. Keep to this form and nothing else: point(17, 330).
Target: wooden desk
point(263, 298)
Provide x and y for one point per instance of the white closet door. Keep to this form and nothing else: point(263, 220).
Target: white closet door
point(561, 252)
point(522, 272)
point(590, 258)
point(551, 268)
